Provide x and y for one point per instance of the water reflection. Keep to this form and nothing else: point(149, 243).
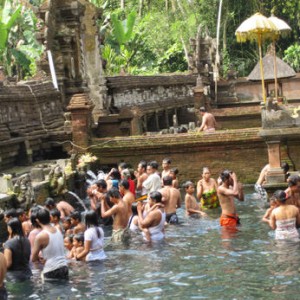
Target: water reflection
point(196, 261)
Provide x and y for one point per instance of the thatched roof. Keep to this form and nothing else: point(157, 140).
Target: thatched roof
point(283, 69)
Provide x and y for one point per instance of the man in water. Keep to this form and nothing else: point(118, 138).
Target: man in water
point(208, 121)
point(64, 207)
point(171, 199)
point(153, 182)
point(119, 212)
point(166, 166)
point(51, 242)
point(226, 193)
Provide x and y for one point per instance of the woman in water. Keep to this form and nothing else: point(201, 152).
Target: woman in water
point(284, 218)
point(93, 239)
point(207, 190)
point(17, 251)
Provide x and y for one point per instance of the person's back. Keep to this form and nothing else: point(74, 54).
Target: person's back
point(65, 208)
point(286, 212)
point(3, 269)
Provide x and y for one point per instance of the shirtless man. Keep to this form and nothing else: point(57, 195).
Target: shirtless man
point(64, 207)
point(192, 208)
point(78, 226)
point(119, 212)
point(171, 199)
point(208, 121)
point(128, 197)
point(141, 175)
point(3, 270)
point(226, 193)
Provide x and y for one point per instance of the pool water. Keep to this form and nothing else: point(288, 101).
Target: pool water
point(197, 261)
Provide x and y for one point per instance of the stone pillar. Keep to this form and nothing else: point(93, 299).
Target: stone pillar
point(275, 174)
point(199, 94)
point(81, 107)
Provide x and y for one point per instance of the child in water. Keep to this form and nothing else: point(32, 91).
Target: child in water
point(273, 204)
point(192, 208)
point(78, 246)
point(68, 243)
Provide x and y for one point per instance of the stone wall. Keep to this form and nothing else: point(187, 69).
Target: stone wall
point(31, 119)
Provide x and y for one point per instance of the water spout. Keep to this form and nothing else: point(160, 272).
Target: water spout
point(79, 200)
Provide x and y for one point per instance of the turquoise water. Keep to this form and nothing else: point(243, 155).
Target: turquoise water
point(196, 261)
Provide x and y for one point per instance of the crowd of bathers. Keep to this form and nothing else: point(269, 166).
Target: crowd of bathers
point(141, 201)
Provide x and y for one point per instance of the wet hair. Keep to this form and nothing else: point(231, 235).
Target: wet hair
point(167, 180)
point(153, 164)
point(76, 215)
point(143, 164)
point(124, 183)
point(285, 167)
point(123, 165)
point(69, 237)
point(187, 184)
point(174, 170)
point(293, 180)
point(126, 174)
point(79, 237)
point(202, 109)
point(20, 212)
point(16, 226)
point(225, 175)
point(204, 169)
point(49, 202)
point(114, 193)
point(91, 220)
point(11, 213)
point(55, 213)
point(101, 184)
point(67, 220)
point(156, 196)
point(280, 196)
point(43, 216)
point(33, 215)
point(115, 174)
point(167, 161)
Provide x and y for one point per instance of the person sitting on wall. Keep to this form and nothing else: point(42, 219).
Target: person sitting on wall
point(208, 121)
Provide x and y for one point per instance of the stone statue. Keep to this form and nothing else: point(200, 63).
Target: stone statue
point(57, 181)
point(24, 191)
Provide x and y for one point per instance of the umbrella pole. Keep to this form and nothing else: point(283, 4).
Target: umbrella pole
point(275, 71)
point(261, 69)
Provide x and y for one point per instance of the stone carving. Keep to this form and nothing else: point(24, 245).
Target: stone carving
point(24, 191)
point(57, 181)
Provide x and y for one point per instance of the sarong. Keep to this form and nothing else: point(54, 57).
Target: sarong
point(172, 218)
point(120, 235)
point(210, 199)
point(229, 220)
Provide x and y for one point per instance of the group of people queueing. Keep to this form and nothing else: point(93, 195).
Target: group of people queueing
point(141, 201)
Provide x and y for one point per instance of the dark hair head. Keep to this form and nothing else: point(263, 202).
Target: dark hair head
point(70, 238)
point(16, 226)
point(174, 170)
point(20, 212)
point(76, 215)
point(143, 164)
point(33, 215)
point(101, 183)
point(115, 174)
point(167, 161)
point(225, 175)
point(293, 180)
point(153, 164)
point(43, 216)
point(167, 180)
point(156, 196)
point(123, 165)
point(55, 213)
point(79, 237)
point(10, 213)
point(124, 183)
point(67, 220)
point(126, 174)
point(114, 193)
point(91, 220)
point(49, 202)
point(202, 109)
point(187, 184)
point(280, 196)
point(285, 167)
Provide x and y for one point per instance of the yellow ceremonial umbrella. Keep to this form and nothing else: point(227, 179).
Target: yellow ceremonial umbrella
point(257, 28)
point(282, 28)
